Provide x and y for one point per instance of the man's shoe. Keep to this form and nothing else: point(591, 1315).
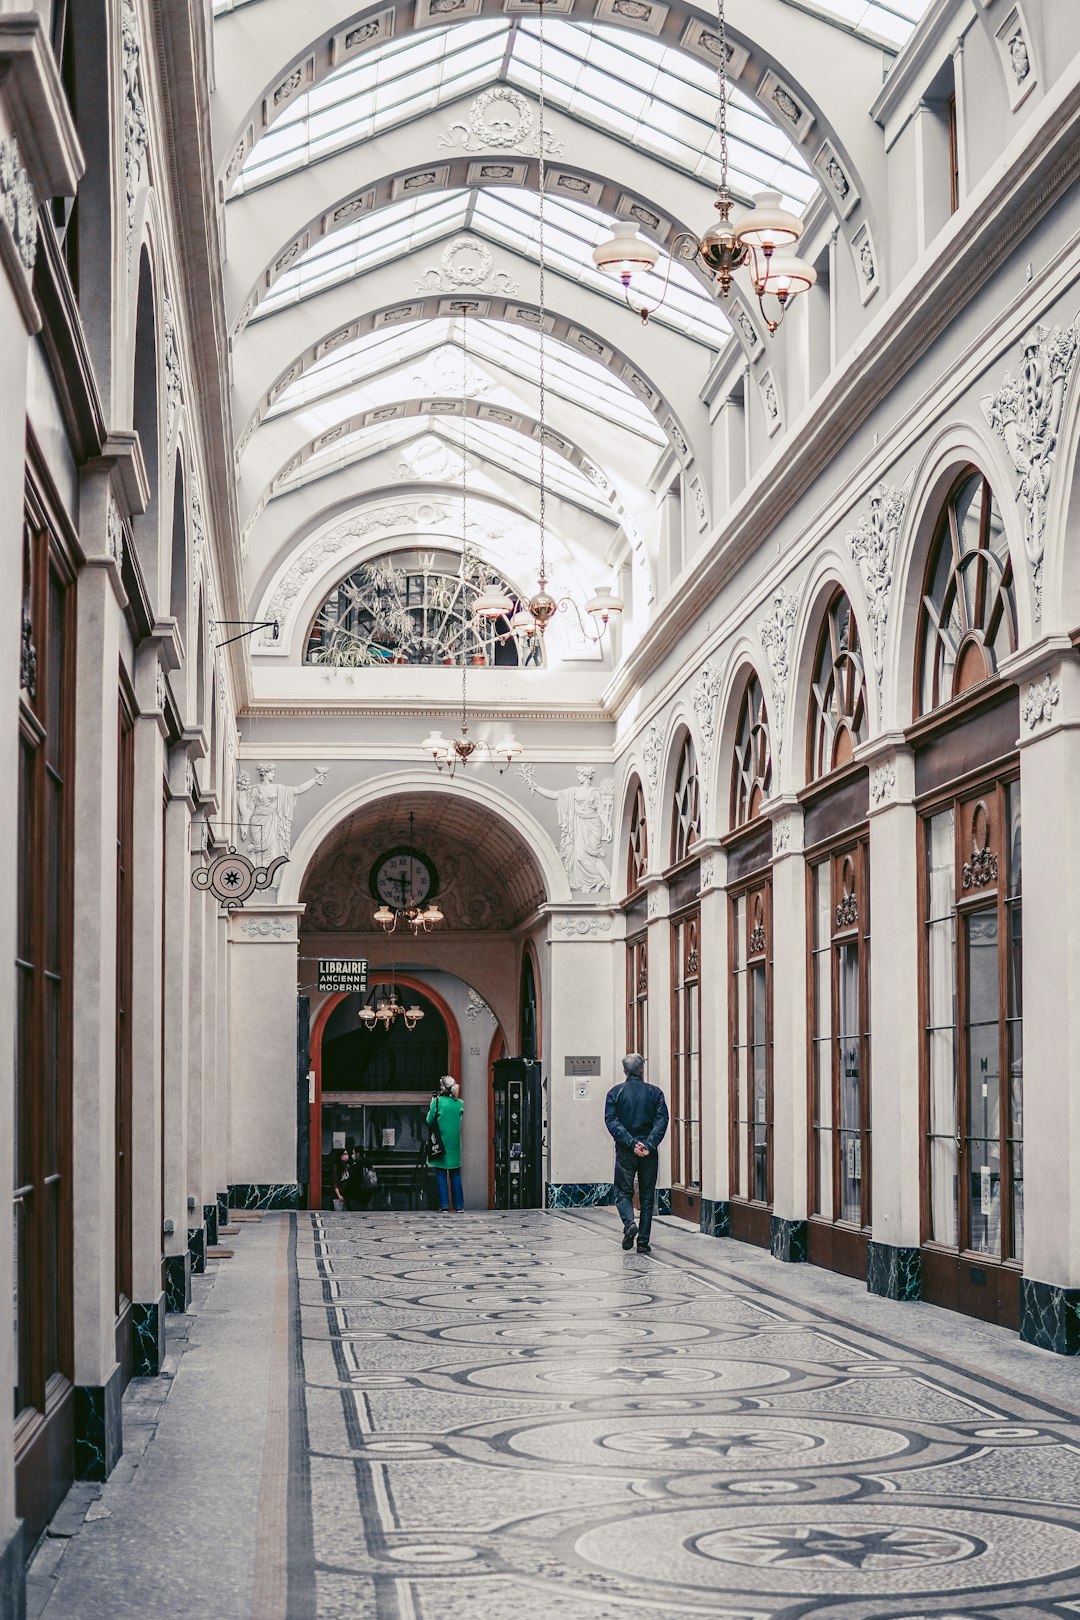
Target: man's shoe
point(643, 1248)
point(628, 1236)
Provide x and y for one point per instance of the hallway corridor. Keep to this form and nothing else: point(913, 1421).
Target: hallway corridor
point(507, 1416)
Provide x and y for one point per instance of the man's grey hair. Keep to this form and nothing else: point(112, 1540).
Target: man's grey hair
point(634, 1064)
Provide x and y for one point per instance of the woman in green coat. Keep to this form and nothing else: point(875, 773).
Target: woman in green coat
point(445, 1111)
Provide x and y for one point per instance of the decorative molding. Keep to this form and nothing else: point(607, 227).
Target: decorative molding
point(136, 132)
point(781, 837)
point(982, 868)
point(770, 399)
point(704, 700)
point(466, 263)
point(883, 783)
point(1038, 706)
point(477, 1007)
point(1014, 43)
point(847, 911)
point(582, 927)
point(650, 755)
point(872, 543)
point(114, 529)
point(707, 872)
point(501, 119)
point(174, 379)
point(1026, 414)
point(268, 927)
point(18, 203)
point(838, 183)
point(775, 632)
point(785, 106)
point(866, 263)
point(654, 903)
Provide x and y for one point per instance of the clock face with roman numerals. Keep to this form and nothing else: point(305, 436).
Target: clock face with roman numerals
point(403, 877)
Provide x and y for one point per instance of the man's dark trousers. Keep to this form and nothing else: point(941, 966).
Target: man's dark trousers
point(627, 1165)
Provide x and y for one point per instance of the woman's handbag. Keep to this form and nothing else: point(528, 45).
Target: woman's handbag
point(370, 1178)
point(435, 1147)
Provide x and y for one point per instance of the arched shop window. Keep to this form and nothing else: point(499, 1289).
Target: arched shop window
point(750, 1022)
point(751, 777)
point(968, 620)
point(637, 859)
point(973, 1172)
point(838, 696)
point(686, 810)
point(529, 1010)
point(416, 607)
point(838, 924)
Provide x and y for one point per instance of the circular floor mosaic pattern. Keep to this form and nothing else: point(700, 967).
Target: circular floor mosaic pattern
point(873, 1549)
point(609, 1375)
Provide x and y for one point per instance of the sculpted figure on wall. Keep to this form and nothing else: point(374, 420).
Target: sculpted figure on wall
point(584, 825)
point(266, 811)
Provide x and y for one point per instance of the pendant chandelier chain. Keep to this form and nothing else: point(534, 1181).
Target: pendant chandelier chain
point(722, 112)
point(464, 308)
point(542, 146)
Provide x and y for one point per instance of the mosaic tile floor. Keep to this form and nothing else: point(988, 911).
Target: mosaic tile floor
point(507, 1416)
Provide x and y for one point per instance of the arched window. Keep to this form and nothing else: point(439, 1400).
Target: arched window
point(637, 857)
point(968, 619)
point(416, 607)
point(686, 819)
point(838, 699)
point(751, 770)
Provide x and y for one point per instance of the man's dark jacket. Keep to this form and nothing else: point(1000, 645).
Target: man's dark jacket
point(635, 1111)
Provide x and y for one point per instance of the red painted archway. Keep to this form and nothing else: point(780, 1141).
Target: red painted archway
point(406, 981)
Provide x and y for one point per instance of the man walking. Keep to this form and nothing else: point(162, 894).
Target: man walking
point(636, 1115)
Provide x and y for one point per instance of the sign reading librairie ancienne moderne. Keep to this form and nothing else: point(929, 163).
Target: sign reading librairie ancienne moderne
point(347, 974)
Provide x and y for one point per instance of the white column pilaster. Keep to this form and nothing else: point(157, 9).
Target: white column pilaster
point(586, 976)
point(715, 1031)
point(788, 948)
point(263, 951)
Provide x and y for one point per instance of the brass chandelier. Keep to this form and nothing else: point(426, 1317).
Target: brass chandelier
point(754, 238)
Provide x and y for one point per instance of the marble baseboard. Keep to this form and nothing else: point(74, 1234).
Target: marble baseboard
point(578, 1194)
point(892, 1272)
point(147, 1337)
point(210, 1221)
point(663, 1200)
point(177, 1281)
point(222, 1209)
point(13, 1577)
point(196, 1242)
point(99, 1428)
point(715, 1217)
point(1050, 1317)
point(787, 1240)
point(264, 1195)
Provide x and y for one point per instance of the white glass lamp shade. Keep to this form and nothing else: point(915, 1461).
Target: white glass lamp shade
point(432, 915)
point(368, 1016)
point(523, 623)
point(436, 745)
point(491, 604)
point(384, 916)
point(767, 226)
point(625, 254)
point(787, 275)
point(604, 604)
point(508, 748)
point(414, 1014)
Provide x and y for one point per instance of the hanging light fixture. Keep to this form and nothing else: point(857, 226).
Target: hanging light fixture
point(387, 1010)
point(754, 238)
point(407, 909)
point(448, 754)
point(532, 618)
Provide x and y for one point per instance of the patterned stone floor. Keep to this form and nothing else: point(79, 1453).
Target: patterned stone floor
point(507, 1416)
point(503, 1417)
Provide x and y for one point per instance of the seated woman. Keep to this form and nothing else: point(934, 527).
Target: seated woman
point(445, 1113)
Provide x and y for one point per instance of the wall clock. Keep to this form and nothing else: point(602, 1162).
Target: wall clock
point(402, 877)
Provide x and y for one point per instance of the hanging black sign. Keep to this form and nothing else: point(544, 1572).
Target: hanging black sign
point(347, 974)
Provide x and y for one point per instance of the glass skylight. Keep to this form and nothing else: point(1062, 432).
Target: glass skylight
point(892, 21)
point(638, 89)
point(515, 351)
point(508, 216)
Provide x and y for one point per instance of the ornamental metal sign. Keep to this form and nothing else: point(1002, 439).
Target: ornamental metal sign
point(232, 878)
point(348, 975)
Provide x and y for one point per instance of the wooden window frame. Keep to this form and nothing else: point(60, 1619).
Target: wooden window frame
point(637, 853)
point(838, 693)
point(750, 787)
point(742, 1152)
point(844, 928)
point(954, 152)
point(685, 804)
point(961, 798)
point(637, 995)
point(686, 1093)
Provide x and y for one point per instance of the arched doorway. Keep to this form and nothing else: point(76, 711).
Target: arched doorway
point(372, 1087)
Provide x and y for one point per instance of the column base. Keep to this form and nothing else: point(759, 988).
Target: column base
point(13, 1577)
point(177, 1281)
point(196, 1242)
point(1050, 1317)
point(787, 1240)
point(210, 1221)
point(715, 1219)
point(147, 1337)
point(892, 1272)
point(222, 1210)
point(578, 1194)
point(99, 1427)
point(264, 1195)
